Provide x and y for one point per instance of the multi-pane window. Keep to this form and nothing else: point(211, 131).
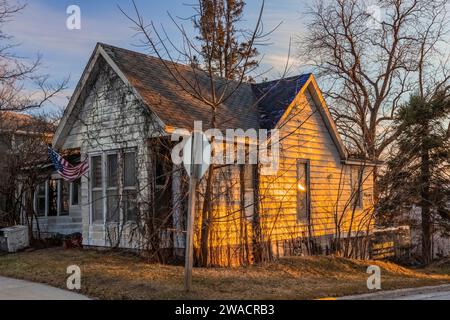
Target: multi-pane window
point(112, 188)
point(52, 198)
point(41, 200)
point(356, 177)
point(119, 186)
point(129, 169)
point(96, 169)
point(64, 194)
point(97, 189)
point(129, 184)
point(113, 170)
point(303, 191)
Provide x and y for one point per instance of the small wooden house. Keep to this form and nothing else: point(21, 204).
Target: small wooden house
point(125, 108)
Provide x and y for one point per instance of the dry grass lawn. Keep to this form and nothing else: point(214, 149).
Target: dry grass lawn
point(108, 275)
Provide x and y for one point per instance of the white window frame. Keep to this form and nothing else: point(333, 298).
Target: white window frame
point(59, 183)
point(104, 160)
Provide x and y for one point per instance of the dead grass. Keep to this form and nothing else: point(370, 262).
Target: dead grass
point(108, 275)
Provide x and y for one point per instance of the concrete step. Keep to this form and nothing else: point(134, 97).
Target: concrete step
point(62, 228)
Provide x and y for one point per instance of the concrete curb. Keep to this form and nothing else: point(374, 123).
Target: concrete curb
point(401, 293)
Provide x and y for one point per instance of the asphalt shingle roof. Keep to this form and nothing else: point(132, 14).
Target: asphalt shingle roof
point(251, 106)
point(275, 96)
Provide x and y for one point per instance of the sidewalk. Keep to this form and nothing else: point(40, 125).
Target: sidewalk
point(11, 289)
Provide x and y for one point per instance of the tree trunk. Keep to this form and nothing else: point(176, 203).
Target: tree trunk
point(206, 220)
point(257, 245)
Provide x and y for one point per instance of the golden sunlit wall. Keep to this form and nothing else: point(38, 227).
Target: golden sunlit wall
point(333, 186)
point(337, 209)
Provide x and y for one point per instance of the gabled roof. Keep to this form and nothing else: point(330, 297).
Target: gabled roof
point(174, 106)
point(251, 106)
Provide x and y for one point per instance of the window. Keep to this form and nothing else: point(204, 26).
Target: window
point(303, 190)
point(113, 169)
point(119, 186)
point(64, 193)
point(52, 198)
point(97, 189)
point(41, 200)
point(112, 190)
point(76, 193)
point(96, 171)
point(130, 194)
point(129, 169)
point(356, 178)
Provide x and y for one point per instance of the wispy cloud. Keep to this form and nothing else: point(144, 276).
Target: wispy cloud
point(42, 28)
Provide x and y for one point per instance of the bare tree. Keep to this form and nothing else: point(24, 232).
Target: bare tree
point(370, 66)
point(24, 166)
point(22, 88)
point(221, 50)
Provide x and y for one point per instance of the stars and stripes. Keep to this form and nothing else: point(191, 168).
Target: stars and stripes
point(65, 169)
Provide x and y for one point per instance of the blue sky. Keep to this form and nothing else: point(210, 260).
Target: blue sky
point(41, 28)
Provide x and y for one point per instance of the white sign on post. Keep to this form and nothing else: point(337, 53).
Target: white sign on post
point(197, 152)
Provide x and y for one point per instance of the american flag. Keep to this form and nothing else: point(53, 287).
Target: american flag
point(65, 169)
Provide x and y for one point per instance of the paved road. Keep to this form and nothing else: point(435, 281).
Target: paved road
point(11, 289)
point(425, 293)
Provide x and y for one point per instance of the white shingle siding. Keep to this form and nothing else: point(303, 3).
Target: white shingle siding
point(105, 125)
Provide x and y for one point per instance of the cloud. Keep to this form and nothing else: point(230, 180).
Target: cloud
point(43, 28)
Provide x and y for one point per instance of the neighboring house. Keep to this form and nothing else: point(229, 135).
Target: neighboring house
point(410, 216)
point(127, 103)
point(15, 129)
point(440, 244)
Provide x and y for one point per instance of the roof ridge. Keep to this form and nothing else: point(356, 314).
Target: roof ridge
point(189, 68)
point(145, 55)
point(285, 79)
